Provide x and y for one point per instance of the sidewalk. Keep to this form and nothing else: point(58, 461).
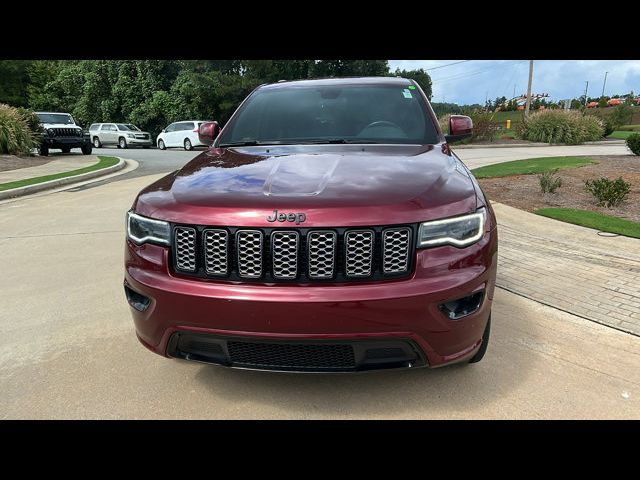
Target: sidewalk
point(569, 267)
point(479, 157)
point(57, 165)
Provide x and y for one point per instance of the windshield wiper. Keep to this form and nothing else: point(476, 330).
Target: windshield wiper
point(247, 143)
point(334, 141)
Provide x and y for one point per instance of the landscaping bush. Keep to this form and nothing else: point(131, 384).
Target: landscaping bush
point(621, 115)
point(484, 127)
point(633, 142)
point(16, 138)
point(444, 123)
point(560, 126)
point(608, 192)
point(549, 181)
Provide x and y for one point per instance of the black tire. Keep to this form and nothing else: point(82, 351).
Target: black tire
point(87, 149)
point(485, 343)
point(44, 151)
point(122, 142)
point(96, 142)
point(187, 144)
point(161, 145)
point(65, 149)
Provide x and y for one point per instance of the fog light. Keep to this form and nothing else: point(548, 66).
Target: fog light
point(137, 300)
point(455, 309)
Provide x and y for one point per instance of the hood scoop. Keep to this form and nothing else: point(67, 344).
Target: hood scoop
point(300, 176)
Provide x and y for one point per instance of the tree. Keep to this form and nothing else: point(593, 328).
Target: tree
point(420, 76)
point(602, 103)
point(14, 76)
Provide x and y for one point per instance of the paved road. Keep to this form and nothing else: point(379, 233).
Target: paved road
point(68, 349)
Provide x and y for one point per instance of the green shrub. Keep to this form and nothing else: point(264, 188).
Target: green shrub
point(621, 115)
point(484, 127)
point(549, 181)
point(633, 142)
point(16, 138)
point(444, 123)
point(609, 193)
point(560, 126)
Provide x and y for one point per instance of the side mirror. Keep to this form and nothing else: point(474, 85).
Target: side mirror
point(163, 131)
point(460, 127)
point(208, 132)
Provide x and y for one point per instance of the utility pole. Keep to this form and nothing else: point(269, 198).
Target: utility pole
point(605, 82)
point(514, 91)
point(585, 92)
point(528, 104)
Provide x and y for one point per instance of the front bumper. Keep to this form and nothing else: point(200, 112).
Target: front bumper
point(71, 142)
point(398, 310)
point(139, 142)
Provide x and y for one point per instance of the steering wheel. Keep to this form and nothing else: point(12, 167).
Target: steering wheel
point(382, 123)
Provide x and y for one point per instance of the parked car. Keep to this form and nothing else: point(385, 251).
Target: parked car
point(329, 228)
point(181, 134)
point(61, 131)
point(124, 135)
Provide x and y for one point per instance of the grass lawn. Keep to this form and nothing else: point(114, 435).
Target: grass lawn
point(604, 223)
point(104, 162)
point(530, 166)
point(502, 117)
point(630, 127)
point(621, 135)
point(506, 133)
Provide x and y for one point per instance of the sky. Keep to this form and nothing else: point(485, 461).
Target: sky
point(472, 81)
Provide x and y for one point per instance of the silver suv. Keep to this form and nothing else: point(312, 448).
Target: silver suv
point(121, 134)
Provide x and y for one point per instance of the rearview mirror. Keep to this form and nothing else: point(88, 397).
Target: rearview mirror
point(460, 127)
point(208, 132)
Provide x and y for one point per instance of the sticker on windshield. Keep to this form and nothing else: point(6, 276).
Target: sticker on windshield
point(407, 93)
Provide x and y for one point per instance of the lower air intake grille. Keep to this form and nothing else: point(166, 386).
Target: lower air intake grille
point(328, 356)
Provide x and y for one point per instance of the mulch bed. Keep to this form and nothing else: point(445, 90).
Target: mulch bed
point(523, 191)
point(11, 162)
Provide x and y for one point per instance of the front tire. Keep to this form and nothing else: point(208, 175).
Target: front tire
point(161, 145)
point(485, 343)
point(86, 149)
point(187, 144)
point(44, 151)
point(96, 142)
point(122, 143)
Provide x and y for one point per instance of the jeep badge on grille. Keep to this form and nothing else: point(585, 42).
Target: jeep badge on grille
point(287, 217)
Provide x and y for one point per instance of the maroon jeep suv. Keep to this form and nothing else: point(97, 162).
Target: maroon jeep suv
point(328, 228)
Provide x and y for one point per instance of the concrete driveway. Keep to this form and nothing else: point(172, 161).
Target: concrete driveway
point(68, 348)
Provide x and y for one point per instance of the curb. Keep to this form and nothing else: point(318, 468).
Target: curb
point(38, 187)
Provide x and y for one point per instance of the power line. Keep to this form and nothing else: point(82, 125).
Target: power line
point(447, 65)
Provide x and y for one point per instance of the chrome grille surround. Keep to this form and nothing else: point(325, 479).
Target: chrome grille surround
point(249, 248)
point(321, 253)
point(216, 251)
point(358, 247)
point(284, 254)
point(396, 245)
point(185, 241)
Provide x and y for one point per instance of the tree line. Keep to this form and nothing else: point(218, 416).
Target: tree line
point(153, 93)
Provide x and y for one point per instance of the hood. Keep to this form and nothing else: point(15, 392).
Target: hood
point(331, 184)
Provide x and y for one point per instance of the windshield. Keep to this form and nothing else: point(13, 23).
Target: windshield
point(56, 118)
point(128, 126)
point(332, 114)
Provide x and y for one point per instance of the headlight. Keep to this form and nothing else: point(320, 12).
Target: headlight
point(131, 135)
point(143, 229)
point(458, 231)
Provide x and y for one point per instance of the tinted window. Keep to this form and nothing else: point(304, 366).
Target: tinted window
point(94, 126)
point(185, 126)
point(170, 128)
point(355, 113)
point(127, 127)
